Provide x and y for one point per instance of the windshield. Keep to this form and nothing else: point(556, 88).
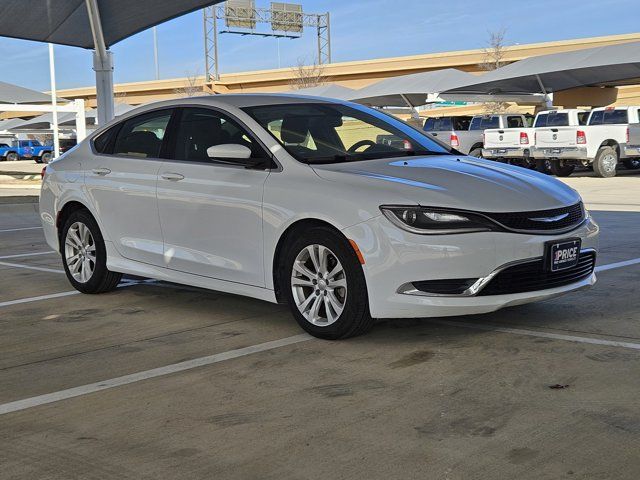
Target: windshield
point(333, 133)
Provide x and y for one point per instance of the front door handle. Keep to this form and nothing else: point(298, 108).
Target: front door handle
point(174, 177)
point(102, 171)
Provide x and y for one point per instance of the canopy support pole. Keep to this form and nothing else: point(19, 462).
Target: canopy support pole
point(414, 113)
point(548, 97)
point(81, 122)
point(54, 103)
point(102, 65)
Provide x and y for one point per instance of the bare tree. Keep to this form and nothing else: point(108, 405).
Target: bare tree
point(191, 88)
point(308, 76)
point(494, 54)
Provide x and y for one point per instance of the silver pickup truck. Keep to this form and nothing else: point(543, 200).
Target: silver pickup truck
point(632, 147)
point(465, 133)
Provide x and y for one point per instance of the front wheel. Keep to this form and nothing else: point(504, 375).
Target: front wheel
point(631, 163)
point(604, 165)
point(325, 285)
point(45, 158)
point(84, 255)
point(560, 168)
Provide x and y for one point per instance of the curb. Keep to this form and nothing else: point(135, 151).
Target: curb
point(19, 199)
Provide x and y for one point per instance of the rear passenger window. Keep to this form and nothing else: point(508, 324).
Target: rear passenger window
point(515, 122)
point(142, 136)
point(461, 123)
point(583, 117)
point(429, 124)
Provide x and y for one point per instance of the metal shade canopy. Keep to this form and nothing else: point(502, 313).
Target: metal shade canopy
point(68, 120)
point(14, 94)
point(612, 65)
point(329, 91)
point(95, 24)
point(411, 90)
point(68, 22)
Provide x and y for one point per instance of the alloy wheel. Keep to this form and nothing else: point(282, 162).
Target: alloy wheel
point(319, 285)
point(80, 252)
point(609, 163)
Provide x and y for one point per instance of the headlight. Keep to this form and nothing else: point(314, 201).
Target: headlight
point(436, 221)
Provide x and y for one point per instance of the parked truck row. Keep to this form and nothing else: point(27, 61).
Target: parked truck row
point(558, 140)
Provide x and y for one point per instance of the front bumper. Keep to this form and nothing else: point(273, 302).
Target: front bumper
point(394, 258)
point(492, 153)
point(561, 153)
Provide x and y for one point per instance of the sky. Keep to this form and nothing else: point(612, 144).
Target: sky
point(359, 30)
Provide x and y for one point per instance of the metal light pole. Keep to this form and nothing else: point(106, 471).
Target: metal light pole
point(54, 102)
point(155, 52)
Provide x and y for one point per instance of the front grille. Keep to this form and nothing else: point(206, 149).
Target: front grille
point(531, 276)
point(535, 220)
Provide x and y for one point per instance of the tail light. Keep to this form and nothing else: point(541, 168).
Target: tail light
point(407, 145)
point(524, 138)
point(581, 137)
point(455, 141)
point(627, 134)
point(535, 137)
point(43, 172)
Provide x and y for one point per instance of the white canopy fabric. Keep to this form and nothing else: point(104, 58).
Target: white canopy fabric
point(612, 65)
point(12, 94)
point(330, 90)
point(411, 90)
point(68, 120)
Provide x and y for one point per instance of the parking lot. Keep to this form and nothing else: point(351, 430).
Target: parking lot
point(163, 381)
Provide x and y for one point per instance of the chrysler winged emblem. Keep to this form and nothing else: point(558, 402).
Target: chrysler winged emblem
point(557, 218)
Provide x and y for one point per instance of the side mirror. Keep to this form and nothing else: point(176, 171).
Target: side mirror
point(229, 150)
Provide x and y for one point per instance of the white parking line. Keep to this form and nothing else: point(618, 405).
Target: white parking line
point(31, 267)
point(38, 298)
point(147, 374)
point(611, 266)
point(19, 229)
point(19, 255)
point(535, 333)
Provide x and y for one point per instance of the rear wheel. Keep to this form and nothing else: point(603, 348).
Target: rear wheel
point(12, 157)
point(561, 168)
point(476, 152)
point(325, 285)
point(631, 163)
point(45, 158)
point(84, 255)
point(604, 165)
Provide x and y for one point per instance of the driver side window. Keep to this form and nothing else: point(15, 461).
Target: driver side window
point(201, 128)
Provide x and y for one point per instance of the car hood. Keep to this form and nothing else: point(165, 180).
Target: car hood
point(461, 182)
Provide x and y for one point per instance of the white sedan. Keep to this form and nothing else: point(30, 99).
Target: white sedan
point(341, 211)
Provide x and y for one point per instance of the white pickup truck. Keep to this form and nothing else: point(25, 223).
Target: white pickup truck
point(598, 143)
point(465, 133)
point(510, 143)
point(547, 135)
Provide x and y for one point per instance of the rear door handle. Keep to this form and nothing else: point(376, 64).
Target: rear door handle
point(174, 177)
point(101, 171)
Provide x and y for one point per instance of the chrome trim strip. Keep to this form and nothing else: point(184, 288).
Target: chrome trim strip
point(478, 286)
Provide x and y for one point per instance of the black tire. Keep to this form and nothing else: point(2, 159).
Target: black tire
point(45, 157)
point(102, 280)
point(631, 163)
point(476, 152)
point(543, 166)
point(602, 164)
point(355, 318)
point(12, 157)
point(561, 168)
